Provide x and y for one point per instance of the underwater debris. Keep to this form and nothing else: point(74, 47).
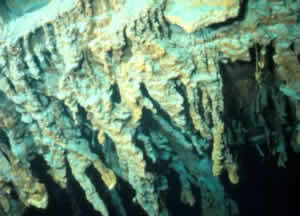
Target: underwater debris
point(146, 93)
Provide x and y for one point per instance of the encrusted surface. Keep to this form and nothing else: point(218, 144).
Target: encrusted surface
point(117, 87)
point(196, 14)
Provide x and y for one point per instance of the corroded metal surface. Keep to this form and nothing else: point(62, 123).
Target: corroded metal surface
point(81, 75)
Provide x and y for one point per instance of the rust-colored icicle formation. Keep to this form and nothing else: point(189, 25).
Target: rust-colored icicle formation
point(131, 91)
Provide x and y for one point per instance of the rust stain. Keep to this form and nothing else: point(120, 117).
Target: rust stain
point(215, 3)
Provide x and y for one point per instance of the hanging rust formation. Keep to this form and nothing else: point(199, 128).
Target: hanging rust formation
point(143, 91)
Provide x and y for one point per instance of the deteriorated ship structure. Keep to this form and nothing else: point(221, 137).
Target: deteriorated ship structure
point(149, 107)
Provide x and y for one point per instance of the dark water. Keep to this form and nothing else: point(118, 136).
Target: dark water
point(264, 189)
